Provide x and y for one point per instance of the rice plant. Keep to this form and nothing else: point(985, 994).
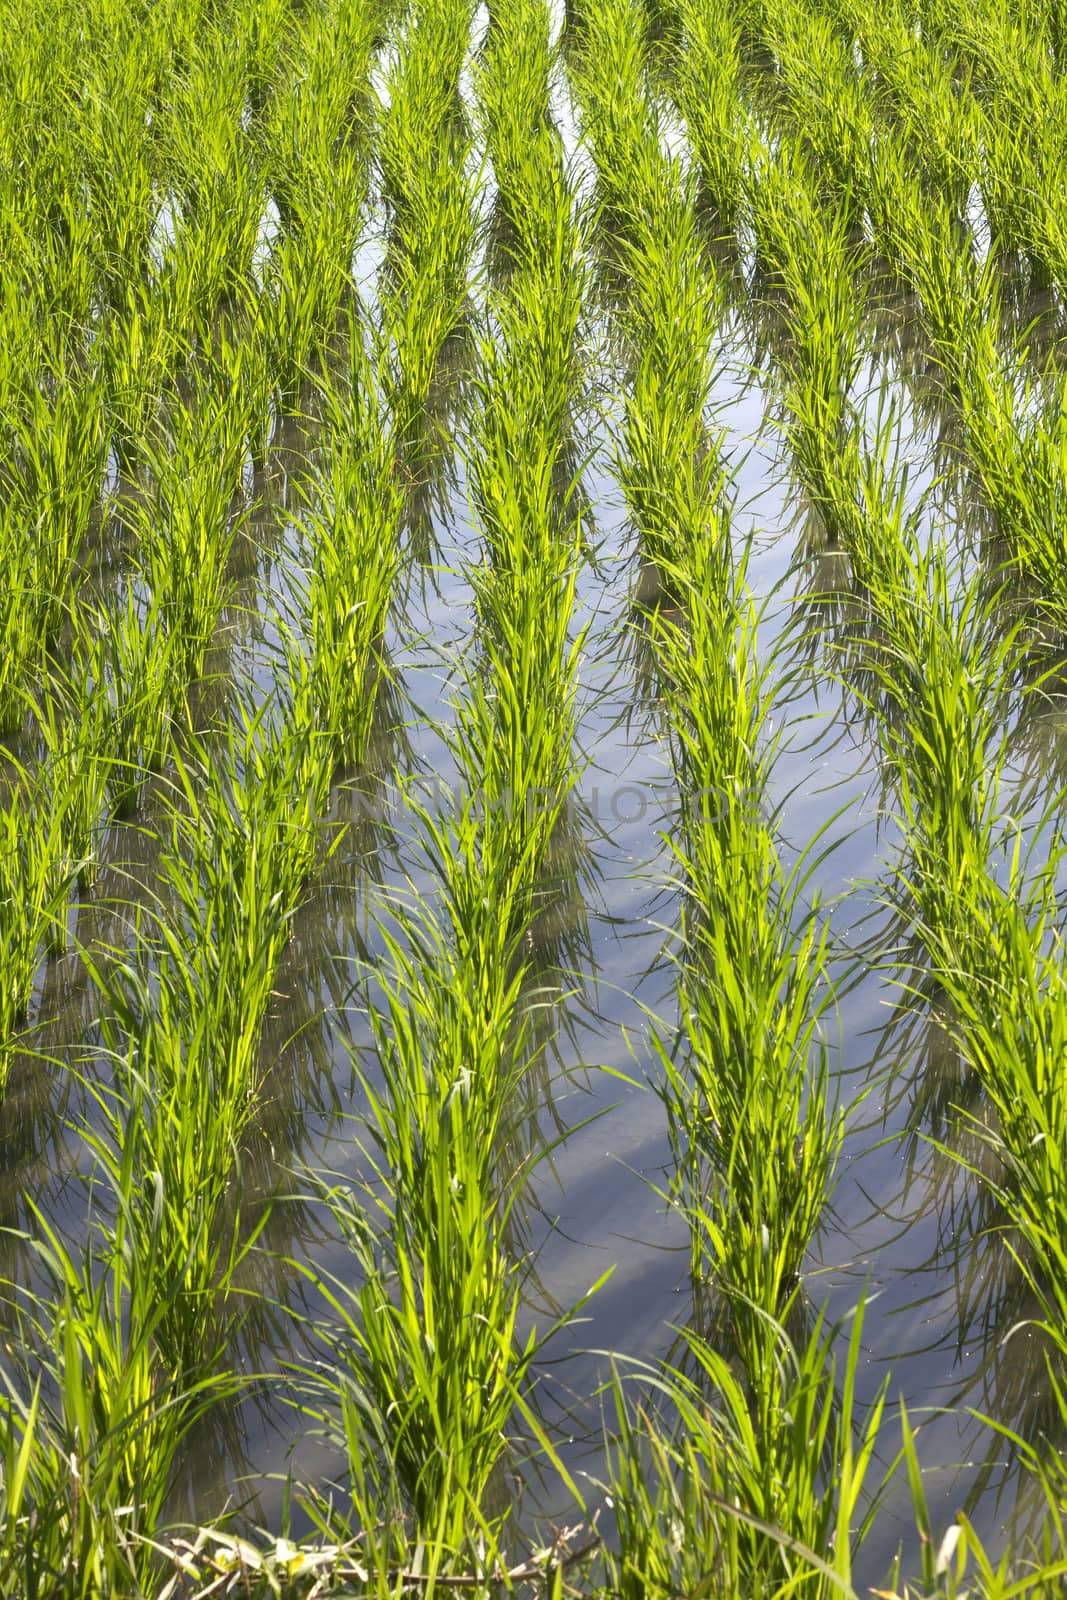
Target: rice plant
point(128, 661)
point(352, 530)
point(213, 172)
point(35, 880)
point(316, 132)
point(240, 844)
point(186, 530)
point(741, 1494)
point(89, 1428)
point(706, 83)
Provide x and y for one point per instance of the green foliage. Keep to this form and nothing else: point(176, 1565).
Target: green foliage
point(277, 281)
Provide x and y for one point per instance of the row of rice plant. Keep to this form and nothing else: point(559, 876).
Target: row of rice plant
point(431, 1368)
point(754, 1129)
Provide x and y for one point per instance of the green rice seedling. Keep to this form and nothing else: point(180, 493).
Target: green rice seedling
point(1021, 467)
point(523, 398)
point(178, 1119)
point(816, 270)
point(184, 1037)
point(89, 1425)
point(59, 449)
point(236, 362)
point(919, 96)
point(742, 1492)
point(949, 797)
point(351, 528)
point(428, 1359)
point(53, 479)
point(33, 898)
point(423, 152)
point(533, 220)
point(621, 123)
point(71, 720)
point(316, 139)
point(212, 167)
point(1008, 180)
point(186, 528)
point(128, 657)
point(706, 82)
point(669, 457)
point(140, 350)
point(21, 317)
point(957, 295)
point(807, 249)
point(319, 110)
point(514, 740)
point(424, 297)
point(541, 243)
point(238, 854)
point(20, 640)
point(826, 101)
point(423, 109)
point(429, 1367)
point(271, 30)
point(670, 306)
point(118, 156)
point(998, 956)
point(45, 208)
point(748, 1107)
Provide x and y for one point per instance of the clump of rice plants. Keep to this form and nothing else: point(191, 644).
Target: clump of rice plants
point(52, 480)
point(423, 151)
point(89, 1429)
point(753, 1128)
point(739, 1492)
point(185, 530)
point(35, 880)
point(240, 844)
point(814, 268)
point(621, 120)
point(316, 130)
point(352, 529)
point(130, 667)
point(214, 173)
point(825, 99)
point(706, 80)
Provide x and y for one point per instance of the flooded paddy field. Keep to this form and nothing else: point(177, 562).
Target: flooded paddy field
point(532, 992)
